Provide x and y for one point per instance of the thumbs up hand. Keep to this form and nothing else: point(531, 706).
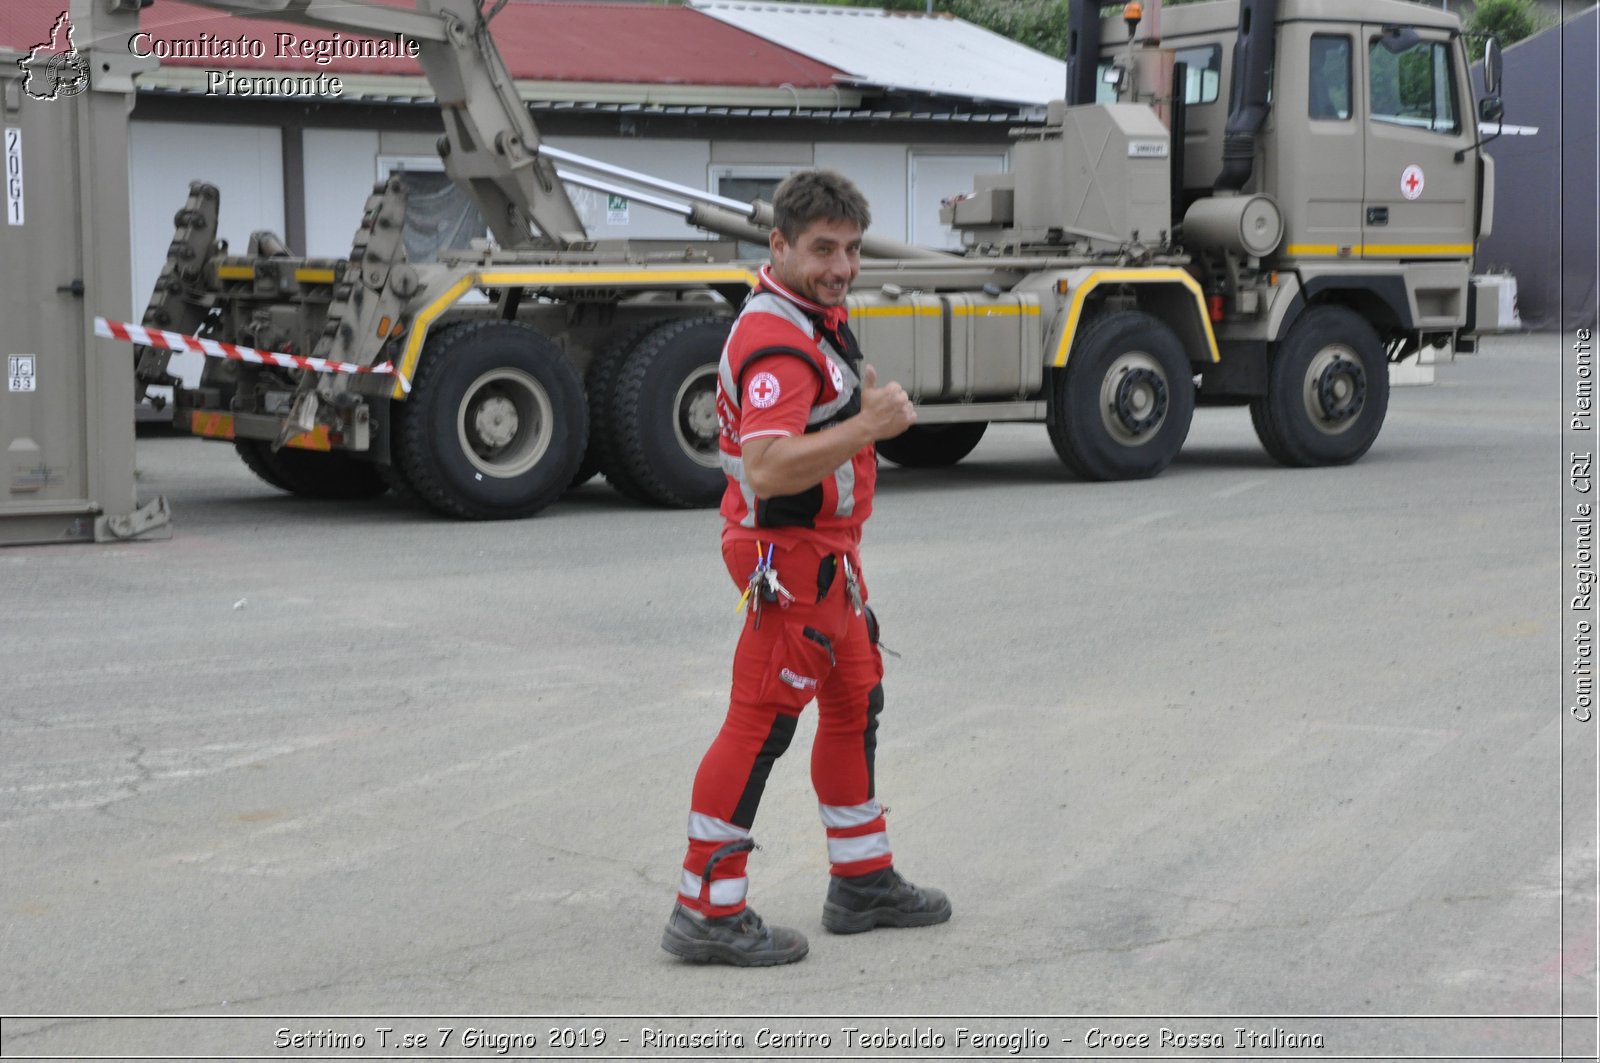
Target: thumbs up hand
point(886, 412)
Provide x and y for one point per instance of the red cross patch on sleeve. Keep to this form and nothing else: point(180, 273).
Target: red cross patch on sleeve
point(763, 390)
point(776, 396)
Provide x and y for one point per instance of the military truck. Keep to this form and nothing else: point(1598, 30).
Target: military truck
point(1258, 203)
point(1150, 248)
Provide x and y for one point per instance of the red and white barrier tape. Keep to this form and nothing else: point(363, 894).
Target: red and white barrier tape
point(177, 341)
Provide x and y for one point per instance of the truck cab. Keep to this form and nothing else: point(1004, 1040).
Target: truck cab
point(1368, 149)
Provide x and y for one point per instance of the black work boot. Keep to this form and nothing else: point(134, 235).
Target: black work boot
point(883, 898)
point(742, 940)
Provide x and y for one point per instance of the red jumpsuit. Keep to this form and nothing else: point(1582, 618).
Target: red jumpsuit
point(791, 366)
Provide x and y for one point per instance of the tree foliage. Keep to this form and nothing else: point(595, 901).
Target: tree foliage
point(1042, 24)
point(1039, 24)
point(1510, 20)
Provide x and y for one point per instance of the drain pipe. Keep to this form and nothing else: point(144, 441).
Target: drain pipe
point(1254, 51)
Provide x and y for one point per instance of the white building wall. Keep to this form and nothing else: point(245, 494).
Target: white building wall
point(879, 170)
point(246, 165)
point(682, 161)
point(936, 175)
point(341, 168)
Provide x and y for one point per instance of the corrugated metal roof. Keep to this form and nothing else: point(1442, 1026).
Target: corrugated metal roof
point(645, 43)
point(676, 56)
point(900, 51)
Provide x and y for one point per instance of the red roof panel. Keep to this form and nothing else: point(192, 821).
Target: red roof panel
point(542, 40)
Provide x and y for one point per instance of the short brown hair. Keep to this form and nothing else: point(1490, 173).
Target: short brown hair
point(810, 195)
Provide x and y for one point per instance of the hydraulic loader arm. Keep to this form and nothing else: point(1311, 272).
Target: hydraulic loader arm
point(493, 144)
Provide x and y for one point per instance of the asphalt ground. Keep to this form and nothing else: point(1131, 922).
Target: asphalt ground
point(1237, 741)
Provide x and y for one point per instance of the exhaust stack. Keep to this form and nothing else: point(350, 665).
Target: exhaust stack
point(1083, 51)
point(1254, 51)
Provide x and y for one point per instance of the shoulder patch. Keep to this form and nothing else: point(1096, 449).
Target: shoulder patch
point(763, 390)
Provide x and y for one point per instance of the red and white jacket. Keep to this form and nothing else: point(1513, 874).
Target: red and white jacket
point(791, 366)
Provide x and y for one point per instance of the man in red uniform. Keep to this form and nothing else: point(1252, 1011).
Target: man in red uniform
point(799, 416)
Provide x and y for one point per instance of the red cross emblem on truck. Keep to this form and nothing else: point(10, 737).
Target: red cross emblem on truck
point(1411, 182)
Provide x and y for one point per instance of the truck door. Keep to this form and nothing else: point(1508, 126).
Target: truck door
point(1418, 201)
point(1317, 148)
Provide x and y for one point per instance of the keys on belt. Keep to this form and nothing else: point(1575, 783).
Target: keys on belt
point(852, 585)
point(764, 585)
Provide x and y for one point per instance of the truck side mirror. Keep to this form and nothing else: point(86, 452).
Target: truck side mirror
point(1491, 66)
point(1491, 109)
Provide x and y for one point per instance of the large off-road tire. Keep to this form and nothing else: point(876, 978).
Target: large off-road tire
point(1327, 390)
point(663, 433)
point(310, 473)
point(495, 424)
point(932, 446)
point(588, 469)
point(1121, 408)
point(395, 477)
point(599, 385)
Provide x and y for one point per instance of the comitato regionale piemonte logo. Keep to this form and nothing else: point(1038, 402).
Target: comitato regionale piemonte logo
point(55, 69)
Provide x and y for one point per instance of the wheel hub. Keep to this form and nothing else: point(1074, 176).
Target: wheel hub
point(1341, 389)
point(1141, 400)
point(496, 421)
point(505, 423)
point(695, 416)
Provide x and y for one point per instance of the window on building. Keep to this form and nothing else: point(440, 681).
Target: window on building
point(1415, 87)
point(748, 186)
point(439, 216)
point(1330, 77)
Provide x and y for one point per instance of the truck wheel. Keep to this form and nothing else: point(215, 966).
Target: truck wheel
point(663, 416)
point(932, 446)
point(1122, 407)
point(310, 473)
point(1327, 391)
point(588, 468)
point(599, 385)
point(495, 423)
point(396, 479)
